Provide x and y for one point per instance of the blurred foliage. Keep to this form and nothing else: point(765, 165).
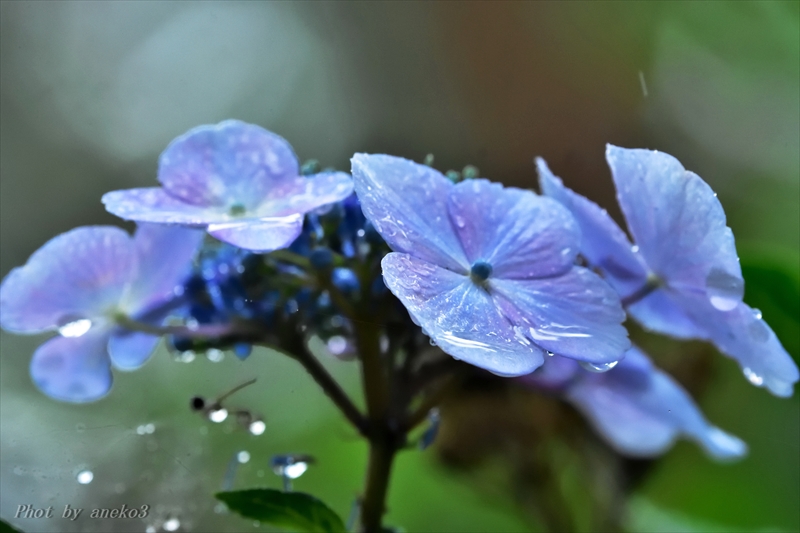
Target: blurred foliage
point(295, 511)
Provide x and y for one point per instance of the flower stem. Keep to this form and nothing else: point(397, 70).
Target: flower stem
point(382, 452)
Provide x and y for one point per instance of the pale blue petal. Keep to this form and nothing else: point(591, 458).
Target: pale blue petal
point(520, 234)
point(577, 315)
point(678, 223)
point(641, 410)
point(603, 243)
point(165, 260)
point(459, 316)
point(155, 205)
point(79, 274)
point(554, 375)
point(260, 235)
point(224, 164)
point(660, 313)
point(129, 350)
point(407, 204)
point(73, 369)
point(742, 334)
point(305, 193)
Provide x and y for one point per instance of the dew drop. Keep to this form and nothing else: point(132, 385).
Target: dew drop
point(551, 354)
point(757, 314)
point(218, 415)
point(752, 377)
point(172, 524)
point(257, 427)
point(294, 471)
point(75, 328)
point(243, 456)
point(432, 342)
point(85, 477)
point(635, 248)
point(214, 355)
point(337, 345)
point(724, 290)
point(599, 368)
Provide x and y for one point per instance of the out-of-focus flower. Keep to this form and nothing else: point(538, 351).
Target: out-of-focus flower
point(488, 272)
point(682, 277)
point(637, 408)
point(239, 181)
point(79, 283)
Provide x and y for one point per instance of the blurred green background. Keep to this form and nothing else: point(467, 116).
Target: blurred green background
point(93, 91)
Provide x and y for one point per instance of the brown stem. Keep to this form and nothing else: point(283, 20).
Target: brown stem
point(382, 450)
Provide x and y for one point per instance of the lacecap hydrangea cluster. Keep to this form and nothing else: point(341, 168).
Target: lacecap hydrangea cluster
point(240, 245)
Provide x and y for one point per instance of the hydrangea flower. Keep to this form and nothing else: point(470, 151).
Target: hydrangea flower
point(239, 181)
point(488, 272)
point(637, 408)
point(77, 284)
point(682, 277)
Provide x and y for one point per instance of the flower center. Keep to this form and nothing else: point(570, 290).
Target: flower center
point(480, 271)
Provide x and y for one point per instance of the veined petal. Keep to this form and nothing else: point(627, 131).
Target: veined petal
point(129, 350)
point(577, 315)
point(659, 312)
point(520, 234)
point(678, 224)
point(80, 274)
point(153, 204)
point(407, 204)
point(165, 259)
point(305, 193)
point(603, 243)
point(73, 369)
point(459, 316)
point(259, 235)
point(742, 334)
point(641, 410)
point(224, 164)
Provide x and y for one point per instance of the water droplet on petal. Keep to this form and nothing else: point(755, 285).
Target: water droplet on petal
point(598, 368)
point(757, 314)
point(75, 328)
point(752, 377)
point(432, 342)
point(635, 248)
point(85, 477)
point(724, 290)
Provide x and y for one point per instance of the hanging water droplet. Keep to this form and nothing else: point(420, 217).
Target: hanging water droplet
point(757, 314)
point(550, 354)
point(432, 342)
point(752, 377)
point(218, 415)
point(257, 427)
point(295, 470)
point(171, 525)
point(724, 290)
point(635, 248)
point(85, 477)
point(336, 345)
point(75, 328)
point(243, 456)
point(598, 368)
point(214, 355)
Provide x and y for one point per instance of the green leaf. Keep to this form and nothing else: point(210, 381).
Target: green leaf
point(296, 511)
point(5, 527)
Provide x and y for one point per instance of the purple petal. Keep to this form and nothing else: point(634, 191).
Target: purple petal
point(459, 316)
point(165, 260)
point(743, 335)
point(224, 164)
point(603, 243)
point(520, 234)
point(577, 315)
point(306, 193)
point(73, 369)
point(155, 205)
point(79, 274)
point(129, 350)
point(640, 410)
point(554, 375)
point(259, 235)
point(407, 204)
point(659, 312)
point(678, 223)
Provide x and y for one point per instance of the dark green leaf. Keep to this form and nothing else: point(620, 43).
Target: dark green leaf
point(295, 511)
point(5, 527)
